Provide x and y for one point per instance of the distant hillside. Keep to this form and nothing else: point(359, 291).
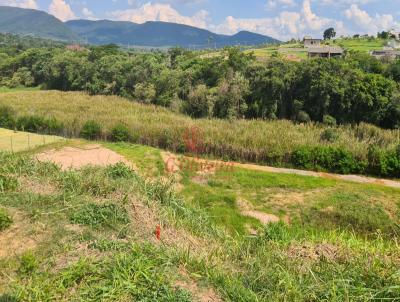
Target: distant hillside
point(33, 22)
point(153, 34)
point(158, 34)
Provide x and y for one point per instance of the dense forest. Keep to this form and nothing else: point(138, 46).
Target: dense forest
point(229, 84)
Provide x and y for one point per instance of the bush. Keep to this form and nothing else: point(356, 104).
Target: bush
point(91, 130)
point(303, 117)
point(120, 133)
point(39, 124)
point(329, 135)
point(329, 120)
point(7, 119)
point(327, 159)
point(5, 220)
point(383, 163)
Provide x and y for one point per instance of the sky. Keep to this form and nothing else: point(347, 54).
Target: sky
point(281, 19)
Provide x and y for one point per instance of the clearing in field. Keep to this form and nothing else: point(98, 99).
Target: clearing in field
point(16, 141)
point(78, 157)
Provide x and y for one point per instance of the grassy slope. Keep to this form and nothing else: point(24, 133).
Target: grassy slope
point(253, 140)
point(92, 232)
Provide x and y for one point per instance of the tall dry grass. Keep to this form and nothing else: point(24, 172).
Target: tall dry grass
point(251, 140)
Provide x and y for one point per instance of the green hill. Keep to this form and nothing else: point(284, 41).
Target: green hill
point(158, 34)
point(34, 23)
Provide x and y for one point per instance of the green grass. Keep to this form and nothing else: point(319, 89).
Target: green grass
point(17, 141)
point(6, 89)
point(362, 45)
point(91, 237)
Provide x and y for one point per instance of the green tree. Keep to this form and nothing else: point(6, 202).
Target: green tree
point(330, 33)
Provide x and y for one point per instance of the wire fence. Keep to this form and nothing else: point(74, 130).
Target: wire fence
point(22, 141)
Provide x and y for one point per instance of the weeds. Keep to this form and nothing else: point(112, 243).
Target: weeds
point(106, 215)
point(5, 220)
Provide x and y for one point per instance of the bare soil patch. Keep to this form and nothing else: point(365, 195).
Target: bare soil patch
point(199, 294)
point(21, 236)
point(37, 186)
point(75, 158)
point(246, 209)
point(312, 253)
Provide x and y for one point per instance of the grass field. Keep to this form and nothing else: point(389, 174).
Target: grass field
point(361, 44)
point(246, 140)
point(16, 141)
point(88, 235)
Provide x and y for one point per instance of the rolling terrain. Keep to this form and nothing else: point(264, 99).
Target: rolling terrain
point(192, 234)
point(151, 34)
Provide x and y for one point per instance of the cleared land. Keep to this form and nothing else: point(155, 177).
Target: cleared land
point(16, 141)
point(88, 234)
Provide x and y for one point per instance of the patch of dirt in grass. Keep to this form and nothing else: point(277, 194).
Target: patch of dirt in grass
point(78, 157)
point(146, 218)
point(246, 209)
point(199, 294)
point(287, 198)
point(21, 236)
point(312, 253)
point(37, 186)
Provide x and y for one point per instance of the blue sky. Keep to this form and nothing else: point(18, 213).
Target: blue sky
point(282, 19)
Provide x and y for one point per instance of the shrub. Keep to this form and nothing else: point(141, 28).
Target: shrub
point(91, 130)
point(383, 163)
point(39, 124)
point(329, 135)
point(329, 120)
point(105, 215)
point(7, 119)
point(327, 158)
point(303, 117)
point(5, 220)
point(120, 133)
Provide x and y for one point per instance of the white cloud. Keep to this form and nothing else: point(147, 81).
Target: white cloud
point(284, 26)
point(61, 10)
point(272, 4)
point(160, 12)
point(88, 13)
point(20, 3)
point(369, 24)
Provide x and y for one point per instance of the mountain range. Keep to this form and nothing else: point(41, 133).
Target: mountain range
point(150, 34)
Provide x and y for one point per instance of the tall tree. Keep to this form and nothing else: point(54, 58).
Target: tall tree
point(329, 33)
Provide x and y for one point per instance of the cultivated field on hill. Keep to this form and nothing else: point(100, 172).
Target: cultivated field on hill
point(272, 142)
point(91, 233)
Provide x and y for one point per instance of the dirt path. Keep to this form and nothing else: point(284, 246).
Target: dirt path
point(352, 178)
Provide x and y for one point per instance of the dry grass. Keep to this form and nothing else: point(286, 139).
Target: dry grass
point(251, 140)
point(17, 141)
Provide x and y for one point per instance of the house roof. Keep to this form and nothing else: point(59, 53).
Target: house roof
point(310, 38)
point(337, 50)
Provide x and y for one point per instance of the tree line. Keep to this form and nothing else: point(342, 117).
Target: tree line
point(229, 84)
